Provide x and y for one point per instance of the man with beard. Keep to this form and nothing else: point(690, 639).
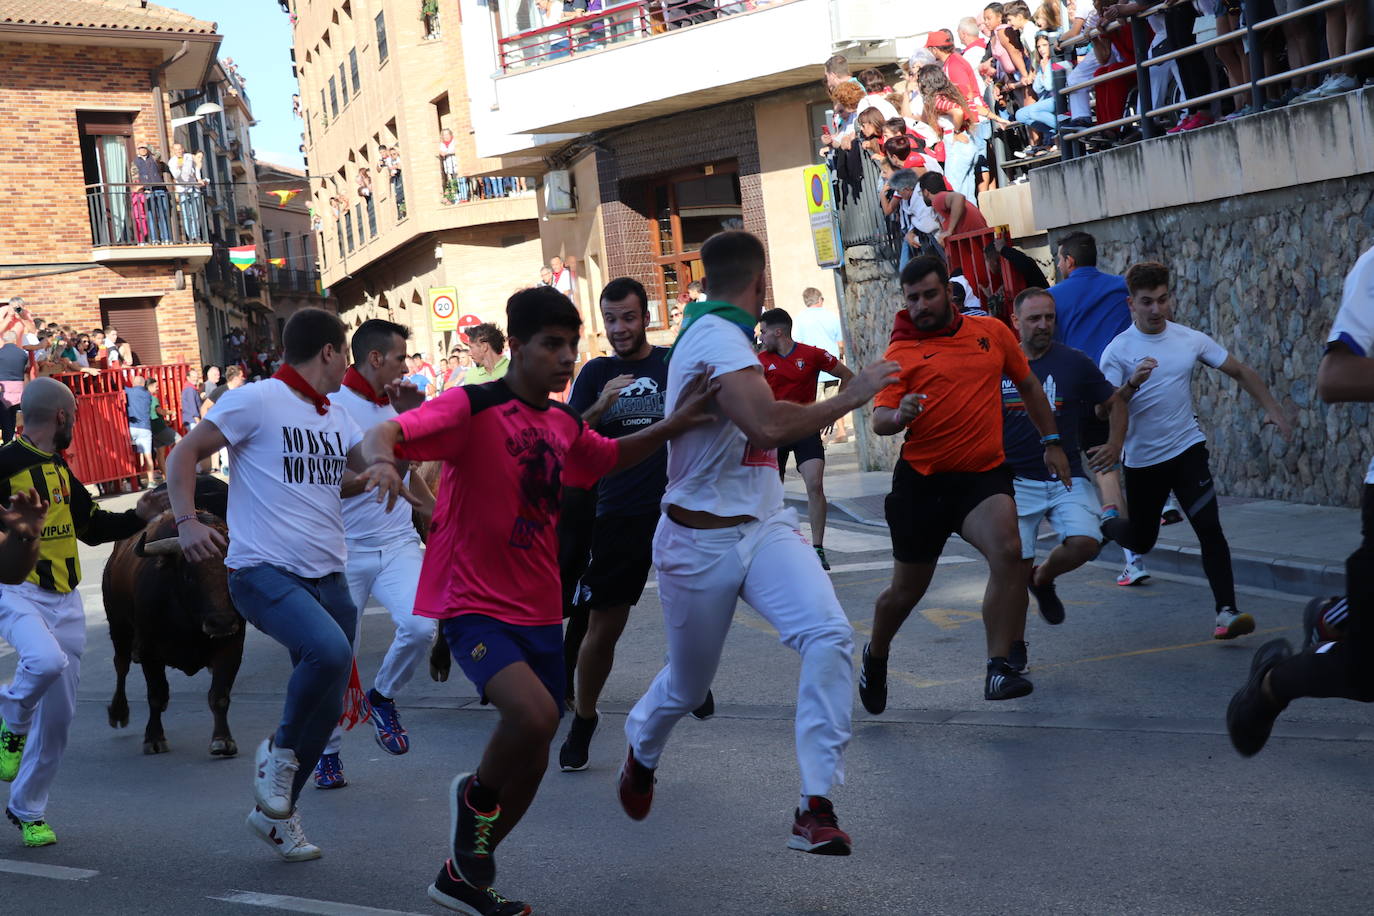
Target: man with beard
point(42, 616)
point(508, 450)
point(951, 476)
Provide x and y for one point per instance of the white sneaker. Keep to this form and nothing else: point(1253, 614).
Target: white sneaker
point(1338, 84)
point(284, 835)
point(272, 779)
point(1314, 94)
point(1231, 624)
point(1133, 574)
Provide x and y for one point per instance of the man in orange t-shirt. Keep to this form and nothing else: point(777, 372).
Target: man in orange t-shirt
point(952, 475)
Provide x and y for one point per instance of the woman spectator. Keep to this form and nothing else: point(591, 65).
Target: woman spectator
point(364, 182)
point(1004, 43)
point(164, 437)
point(1039, 115)
point(1052, 17)
point(951, 116)
point(846, 98)
point(876, 92)
point(138, 203)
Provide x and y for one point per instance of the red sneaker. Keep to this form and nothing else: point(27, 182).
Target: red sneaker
point(817, 830)
point(636, 787)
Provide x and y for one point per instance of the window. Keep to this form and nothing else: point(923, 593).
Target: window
point(371, 217)
point(358, 208)
point(353, 68)
point(381, 38)
point(348, 229)
point(334, 98)
point(685, 209)
point(343, 84)
point(338, 231)
point(324, 107)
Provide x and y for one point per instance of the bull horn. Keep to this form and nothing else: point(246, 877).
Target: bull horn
point(162, 548)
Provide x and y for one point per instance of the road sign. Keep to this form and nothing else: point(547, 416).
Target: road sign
point(825, 228)
point(443, 308)
point(467, 321)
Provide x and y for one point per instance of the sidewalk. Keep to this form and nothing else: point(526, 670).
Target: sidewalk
point(1287, 547)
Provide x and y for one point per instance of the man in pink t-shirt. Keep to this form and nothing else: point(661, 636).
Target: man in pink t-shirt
point(495, 586)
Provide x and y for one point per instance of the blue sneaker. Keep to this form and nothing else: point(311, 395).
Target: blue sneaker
point(391, 736)
point(329, 773)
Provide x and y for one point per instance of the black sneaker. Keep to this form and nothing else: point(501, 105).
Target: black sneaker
point(825, 564)
point(1051, 608)
point(1250, 717)
point(572, 756)
point(707, 709)
point(472, 835)
point(452, 892)
point(1019, 658)
point(1315, 627)
point(873, 683)
point(1004, 682)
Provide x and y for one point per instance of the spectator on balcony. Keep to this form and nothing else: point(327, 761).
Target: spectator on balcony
point(952, 116)
point(562, 277)
point(138, 205)
point(1345, 34)
point(1004, 43)
point(552, 12)
point(973, 48)
point(448, 162)
point(940, 43)
point(150, 172)
point(917, 220)
point(546, 276)
point(837, 72)
point(1052, 16)
point(957, 214)
point(364, 182)
point(876, 92)
point(186, 172)
point(1023, 28)
point(1039, 115)
point(140, 412)
point(487, 343)
point(392, 163)
point(14, 367)
point(696, 292)
point(839, 134)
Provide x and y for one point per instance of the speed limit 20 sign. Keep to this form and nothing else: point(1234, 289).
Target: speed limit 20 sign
point(443, 308)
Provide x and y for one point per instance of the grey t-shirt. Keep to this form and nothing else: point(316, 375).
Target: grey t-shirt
point(14, 362)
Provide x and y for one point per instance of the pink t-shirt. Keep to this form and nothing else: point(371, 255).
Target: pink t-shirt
point(493, 546)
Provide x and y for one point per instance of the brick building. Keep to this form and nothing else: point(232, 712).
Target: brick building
point(85, 83)
point(288, 237)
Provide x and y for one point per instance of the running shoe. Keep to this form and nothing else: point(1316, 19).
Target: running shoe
point(449, 890)
point(573, 755)
point(1231, 624)
point(1317, 92)
point(873, 683)
point(272, 778)
point(35, 833)
point(471, 830)
point(11, 752)
point(1004, 682)
point(329, 772)
point(1323, 620)
point(816, 830)
point(1019, 657)
point(707, 709)
point(636, 788)
point(283, 835)
point(1134, 574)
point(1250, 715)
point(386, 722)
point(1051, 608)
point(825, 564)
point(1339, 84)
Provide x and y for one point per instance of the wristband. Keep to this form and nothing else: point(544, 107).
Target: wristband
point(184, 518)
point(1132, 385)
point(1051, 439)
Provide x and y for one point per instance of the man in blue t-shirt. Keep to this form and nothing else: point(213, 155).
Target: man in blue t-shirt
point(616, 395)
point(1075, 387)
point(140, 412)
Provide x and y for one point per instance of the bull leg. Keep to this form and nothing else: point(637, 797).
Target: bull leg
point(440, 660)
point(224, 669)
point(155, 674)
point(121, 635)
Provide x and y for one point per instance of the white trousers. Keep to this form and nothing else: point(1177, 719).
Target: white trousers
point(701, 575)
point(391, 575)
point(48, 633)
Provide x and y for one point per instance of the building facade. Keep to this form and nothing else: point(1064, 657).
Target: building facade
point(289, 243)
point(95, 244)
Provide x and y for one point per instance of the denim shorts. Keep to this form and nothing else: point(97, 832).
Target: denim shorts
point(143, 439)
point(482, 646)
point(1072, 513)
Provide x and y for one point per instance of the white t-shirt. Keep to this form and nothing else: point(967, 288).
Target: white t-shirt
point(1354, 324)
point(286, 465)
point(367, 524)
point(919, 215)
point(819, 327)
point(563, 282)
point(879, 102)
point(713, 468)
point(1162, 422)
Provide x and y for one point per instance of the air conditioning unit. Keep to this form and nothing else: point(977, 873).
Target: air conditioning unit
point(560, 198)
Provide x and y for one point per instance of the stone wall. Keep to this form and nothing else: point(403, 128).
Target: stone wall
point(1263, 273)
point(871, 300)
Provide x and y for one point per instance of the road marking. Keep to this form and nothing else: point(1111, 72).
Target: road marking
point(39, 870)
point(948, 618)
point(306, 905)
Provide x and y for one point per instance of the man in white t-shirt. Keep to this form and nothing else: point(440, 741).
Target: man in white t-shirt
point(1345, 667)
point(288, 451)
point(817, 326)
point(384, 550)
point(562, 279)
point(1151, 363)
point(725, 536)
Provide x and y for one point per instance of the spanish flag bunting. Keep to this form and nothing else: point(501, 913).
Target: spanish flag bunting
point(243, 257)
point(285, 197)
point(277, 262)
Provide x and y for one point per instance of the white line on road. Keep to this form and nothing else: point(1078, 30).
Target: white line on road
point(306, 905)
point(39, 870)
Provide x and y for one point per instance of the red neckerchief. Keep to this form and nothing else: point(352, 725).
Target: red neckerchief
point(297, 383)
point(905, 329)
point(354, 381)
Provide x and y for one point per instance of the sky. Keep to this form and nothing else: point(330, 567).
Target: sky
point(257, 35)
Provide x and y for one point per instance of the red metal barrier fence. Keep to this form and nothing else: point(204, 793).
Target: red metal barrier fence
point(965, 252)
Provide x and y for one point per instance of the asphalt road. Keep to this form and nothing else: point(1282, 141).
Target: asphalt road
point(1112, 789)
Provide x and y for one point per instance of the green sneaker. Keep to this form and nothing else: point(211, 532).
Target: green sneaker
point(11, 752)
point(825, 564)
point(36, 833)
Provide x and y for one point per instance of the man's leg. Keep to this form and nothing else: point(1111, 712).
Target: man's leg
point(1147, 489)
point(1073, 515)
point(991, 528)
point(395, 588)
point(597, 655)
point(575, 527)
point(1192, 481)
point(517, 754)
point(896, 602)
point(813, 475)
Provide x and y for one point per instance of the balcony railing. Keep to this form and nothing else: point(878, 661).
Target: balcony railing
point(459, 189)
point(617, 23)
point(146, 214)
point(291, 282)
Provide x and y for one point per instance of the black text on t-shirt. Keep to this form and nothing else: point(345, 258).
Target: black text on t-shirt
point(311, 457)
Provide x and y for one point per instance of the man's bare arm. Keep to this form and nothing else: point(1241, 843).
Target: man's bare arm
point(1254, 386)
point(748, 401)
point(1344, 376)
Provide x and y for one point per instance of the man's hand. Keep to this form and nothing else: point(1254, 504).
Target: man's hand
point(24, 516)
point(386, 480)
point(910, 407)
point(199, 541)
point(1103, 458)
point(153, 504)
point(873, 378)
point(404, 395)
point(693, 404)
point(1282, 422)
point(1058, 463)
point(612, 388)
point(1142, 371)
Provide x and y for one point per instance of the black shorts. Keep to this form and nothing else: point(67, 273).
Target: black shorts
point(924, 510)
point(622, 554)
point(803, 450)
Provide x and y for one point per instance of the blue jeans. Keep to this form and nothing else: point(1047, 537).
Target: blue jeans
point(315, 620)
point(1038, 114)
point(190, 214)
point(159, 215)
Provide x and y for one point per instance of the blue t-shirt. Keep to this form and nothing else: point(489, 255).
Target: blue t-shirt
point(636, 490)
point(140, 407)
point(1090, 310)
point(420, 381)
point(1074, 385)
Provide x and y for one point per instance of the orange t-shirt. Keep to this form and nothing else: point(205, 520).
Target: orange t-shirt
point(960, 425)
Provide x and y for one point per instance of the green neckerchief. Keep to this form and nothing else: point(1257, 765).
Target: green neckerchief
point(731, 313)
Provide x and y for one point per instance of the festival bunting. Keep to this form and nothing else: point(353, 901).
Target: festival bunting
point(243, 257)
point(285, 197)
point(277, 262)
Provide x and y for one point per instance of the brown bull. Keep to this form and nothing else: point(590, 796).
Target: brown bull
point(166, 612)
